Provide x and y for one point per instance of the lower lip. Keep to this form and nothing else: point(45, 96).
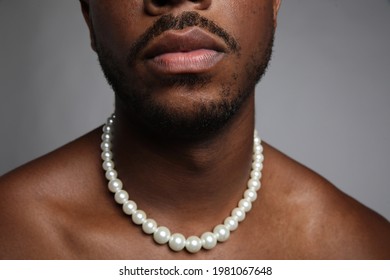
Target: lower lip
point(197, 61)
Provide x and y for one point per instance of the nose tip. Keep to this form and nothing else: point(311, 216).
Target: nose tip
point(160, 7)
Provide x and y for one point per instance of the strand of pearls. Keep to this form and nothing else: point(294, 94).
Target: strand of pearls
point(161, 234)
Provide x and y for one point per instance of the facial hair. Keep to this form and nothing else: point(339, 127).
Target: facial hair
point(205, 117)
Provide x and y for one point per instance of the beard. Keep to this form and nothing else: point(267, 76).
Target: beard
point(203, 117)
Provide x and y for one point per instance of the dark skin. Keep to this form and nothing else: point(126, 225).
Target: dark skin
point(58, 206)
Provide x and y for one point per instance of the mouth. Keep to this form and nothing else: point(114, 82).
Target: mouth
point(188, 51)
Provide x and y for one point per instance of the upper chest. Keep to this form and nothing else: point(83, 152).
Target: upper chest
point(116, 237)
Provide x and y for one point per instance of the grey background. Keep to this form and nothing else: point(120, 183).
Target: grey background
point(324, 101)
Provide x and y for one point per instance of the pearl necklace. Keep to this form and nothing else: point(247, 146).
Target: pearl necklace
point(161, 234)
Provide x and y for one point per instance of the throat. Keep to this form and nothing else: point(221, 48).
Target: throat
point(192, 176)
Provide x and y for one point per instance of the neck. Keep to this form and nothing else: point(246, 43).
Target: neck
point(190, 176)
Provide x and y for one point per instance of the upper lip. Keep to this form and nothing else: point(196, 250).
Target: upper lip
point(183, 41)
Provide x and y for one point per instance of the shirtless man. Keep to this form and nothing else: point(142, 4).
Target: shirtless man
point(184, 76)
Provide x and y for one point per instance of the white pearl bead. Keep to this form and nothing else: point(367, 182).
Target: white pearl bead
point(106, 145)
point(250, 194)
point(193, 244)
point(239, 214)
point(106, 155)
point(106, 137)
point(129, 207)
point(115, 185)
point(254, 184)
point(149, 226)
point(139, 217)
point(245, 204)
point(111, 174)
point(258, 166)
point(177, 242)
point(258, 158)
point(256, 175)
point(258, 149)
point(209, 240)
point(110, 120)
point(221, 232)
point(231, 223)
point(256, 140)
point(107, 128)
point(108, 164)
point(121, 196)
point(162, 235)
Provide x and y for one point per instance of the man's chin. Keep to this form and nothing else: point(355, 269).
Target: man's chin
point(198, 121)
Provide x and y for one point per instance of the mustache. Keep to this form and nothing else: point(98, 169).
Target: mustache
point(186, 19)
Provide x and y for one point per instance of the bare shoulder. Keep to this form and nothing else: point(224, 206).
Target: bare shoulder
point(36, 199)
point(328, 223)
